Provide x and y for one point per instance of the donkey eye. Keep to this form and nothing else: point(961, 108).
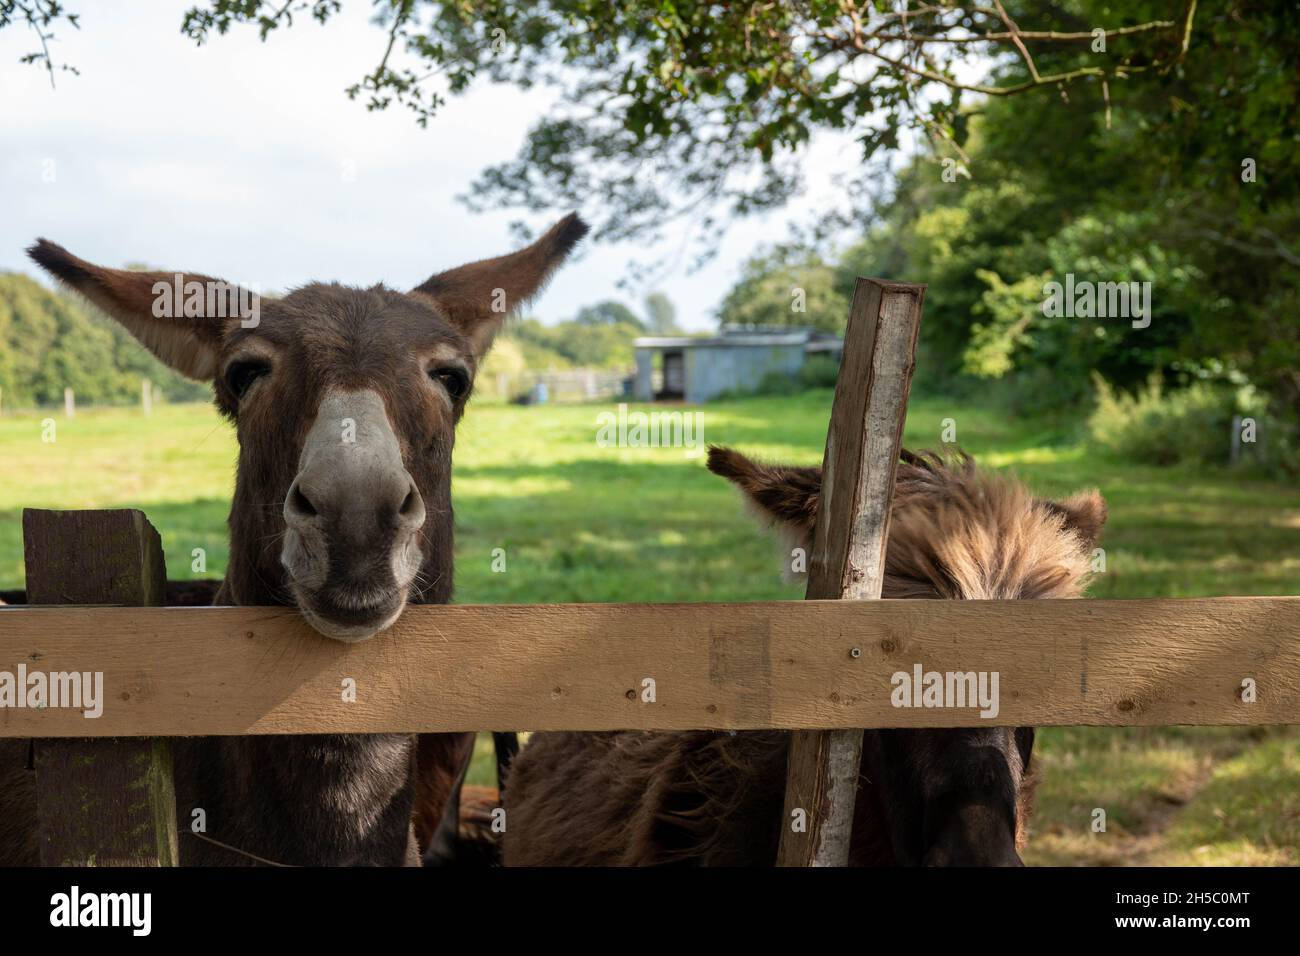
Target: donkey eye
point(241, 375)
point(454, 379)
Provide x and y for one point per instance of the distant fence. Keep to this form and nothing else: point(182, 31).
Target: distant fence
point(567, 385)
point(150, 395)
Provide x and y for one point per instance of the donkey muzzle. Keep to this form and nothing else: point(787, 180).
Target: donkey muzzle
point(352, 521)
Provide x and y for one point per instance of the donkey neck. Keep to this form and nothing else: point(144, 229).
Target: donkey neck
point(315, 800)
point(302, 800)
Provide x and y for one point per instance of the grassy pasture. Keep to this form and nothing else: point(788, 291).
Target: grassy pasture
point(581, 522)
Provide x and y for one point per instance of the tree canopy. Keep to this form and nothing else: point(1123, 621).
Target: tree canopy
point(686, 109)
point(1153, 141)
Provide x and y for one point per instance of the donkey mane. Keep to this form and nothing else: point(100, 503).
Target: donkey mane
point(716, 798)
point(956, 532)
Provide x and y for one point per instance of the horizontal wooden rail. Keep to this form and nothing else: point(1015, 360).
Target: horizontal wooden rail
point(797, 664)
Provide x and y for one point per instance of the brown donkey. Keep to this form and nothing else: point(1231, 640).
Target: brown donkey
point(345, 402)
point(936, 797)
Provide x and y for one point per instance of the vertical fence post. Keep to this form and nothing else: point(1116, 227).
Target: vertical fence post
point(69, 404)
point(101, 802)
point(848, 551)
point(146, 396)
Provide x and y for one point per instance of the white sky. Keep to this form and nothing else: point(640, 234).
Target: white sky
point(229, 159)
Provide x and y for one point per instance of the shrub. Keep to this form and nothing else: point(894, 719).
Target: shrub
point(778, 383)
point(820, 371)
point(1192, 425)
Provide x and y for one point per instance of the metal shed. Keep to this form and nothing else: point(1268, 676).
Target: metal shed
point(696, 369)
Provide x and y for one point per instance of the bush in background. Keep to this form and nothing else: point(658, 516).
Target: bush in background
point(820, 371)
point(1155, 426)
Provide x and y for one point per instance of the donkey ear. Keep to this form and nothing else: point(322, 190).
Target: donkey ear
point(781, 493)
point(478, 297)
point(1084, 514)
point(151, 306)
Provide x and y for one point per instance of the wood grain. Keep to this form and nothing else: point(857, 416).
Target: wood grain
point(848, 551)
point(785, 664)
point(863, 440)
point(98, 802)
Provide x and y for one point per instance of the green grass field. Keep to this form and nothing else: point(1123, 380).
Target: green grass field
point(580, 522)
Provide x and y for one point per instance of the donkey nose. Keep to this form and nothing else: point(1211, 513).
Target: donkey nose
point(298, 507)
point(411, 512)
point(376, 500)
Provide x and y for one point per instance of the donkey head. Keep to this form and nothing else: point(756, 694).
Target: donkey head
point(949, 797)
point(345, 403)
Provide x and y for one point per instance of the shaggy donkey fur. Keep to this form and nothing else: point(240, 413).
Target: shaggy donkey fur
point(938, 797)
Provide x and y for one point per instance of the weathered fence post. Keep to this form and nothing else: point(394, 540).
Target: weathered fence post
point(848, 552)
point(108, 801)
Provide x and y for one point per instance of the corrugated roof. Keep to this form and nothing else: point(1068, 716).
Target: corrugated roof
point(685, 341)
point(741, 335)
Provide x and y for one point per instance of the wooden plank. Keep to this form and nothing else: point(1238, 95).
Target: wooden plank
point(848, 551)
point(862, 443)
point(98, 802)
point(783, 664)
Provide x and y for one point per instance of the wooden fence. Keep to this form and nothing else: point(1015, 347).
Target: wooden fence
point(561, 385)
point(815, 667)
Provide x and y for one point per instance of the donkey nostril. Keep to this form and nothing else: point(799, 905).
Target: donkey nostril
point(410, 504)
point(300, 503)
